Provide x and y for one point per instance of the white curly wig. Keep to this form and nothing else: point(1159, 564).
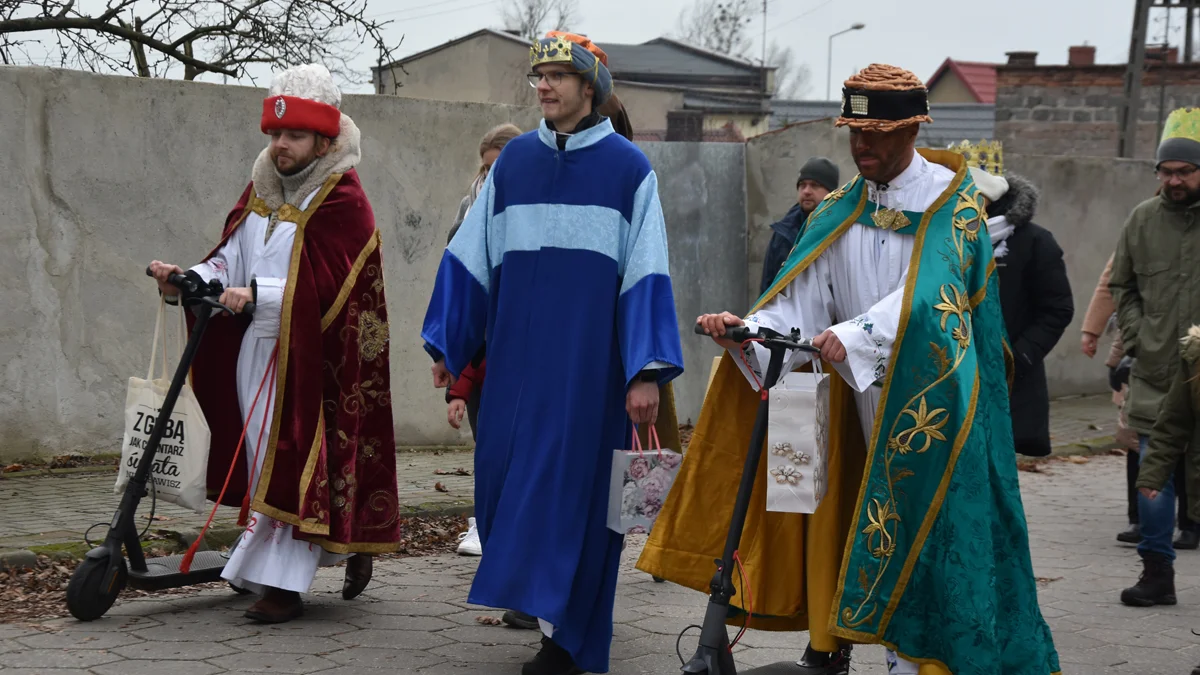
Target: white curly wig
point(312, 81)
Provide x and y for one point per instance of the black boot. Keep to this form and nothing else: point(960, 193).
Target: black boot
point(825, 663)
point(552, 660)
point(1156, 586)
point(1131, 536)
point(1188, 540)
point(1196, 670)
point(520, 620)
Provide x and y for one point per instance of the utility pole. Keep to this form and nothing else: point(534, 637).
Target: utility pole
point(1162, 73)
point(764, 47)
point(1131, 104)
point(1188, 37)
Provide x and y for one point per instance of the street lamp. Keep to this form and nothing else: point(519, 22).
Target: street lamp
point(829, 76)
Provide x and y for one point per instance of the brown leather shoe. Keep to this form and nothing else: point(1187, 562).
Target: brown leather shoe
point(276, 606)
point(358, 575)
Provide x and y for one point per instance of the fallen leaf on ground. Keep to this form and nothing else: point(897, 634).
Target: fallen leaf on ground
point(29, 596)
point(1048, 580)
point(1078, 459)
point(1094, 427)
point(1030, 467)
point(488, 620)
point(12, 467)
point(440, 488)
point(158, 518)
point(453, 472)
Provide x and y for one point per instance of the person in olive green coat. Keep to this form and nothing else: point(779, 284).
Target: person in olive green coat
point(1177, 429)
point(1156, 284)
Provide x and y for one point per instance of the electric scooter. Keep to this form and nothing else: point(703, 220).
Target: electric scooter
point(714, 655)
point(104, 572)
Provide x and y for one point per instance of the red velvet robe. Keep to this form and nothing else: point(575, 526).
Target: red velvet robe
point(330, 466)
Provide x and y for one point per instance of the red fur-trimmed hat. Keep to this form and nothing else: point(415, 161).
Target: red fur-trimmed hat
point(303, 97)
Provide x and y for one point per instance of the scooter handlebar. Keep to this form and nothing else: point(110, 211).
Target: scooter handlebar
point(768, 337)
point(734, 333)
point(197, 291)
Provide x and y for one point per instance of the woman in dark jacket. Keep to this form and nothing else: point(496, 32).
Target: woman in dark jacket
point(1036, 300)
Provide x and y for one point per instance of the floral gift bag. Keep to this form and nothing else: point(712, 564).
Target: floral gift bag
point(639, 485)
point(797, 442)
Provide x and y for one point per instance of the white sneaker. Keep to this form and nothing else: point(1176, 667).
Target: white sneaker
point(469, 540)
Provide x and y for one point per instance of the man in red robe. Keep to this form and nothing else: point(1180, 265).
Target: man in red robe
point(307, 375)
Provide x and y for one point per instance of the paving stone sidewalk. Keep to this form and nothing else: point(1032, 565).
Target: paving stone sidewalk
point(47, 510)
point(414, 618)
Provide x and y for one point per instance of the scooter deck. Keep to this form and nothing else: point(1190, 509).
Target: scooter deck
point(163, 573)
point(782, 668)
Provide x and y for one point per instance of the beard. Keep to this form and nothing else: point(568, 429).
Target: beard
point(296, 166)
point(1182, 195)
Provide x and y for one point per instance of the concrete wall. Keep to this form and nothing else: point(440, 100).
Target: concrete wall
point(107, 173)
point(1084, 202)
point(704, 202)
point(773, 162)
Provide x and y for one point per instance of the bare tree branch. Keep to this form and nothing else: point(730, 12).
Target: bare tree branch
point(791, 79)
point(532, 18)
point(154, 38)
point(718, 25)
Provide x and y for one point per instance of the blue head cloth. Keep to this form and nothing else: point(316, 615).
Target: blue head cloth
point(581, 54)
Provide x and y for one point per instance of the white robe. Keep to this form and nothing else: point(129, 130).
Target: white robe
point(856, 289)
point(266, 553)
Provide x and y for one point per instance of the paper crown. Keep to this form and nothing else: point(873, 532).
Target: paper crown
point(985, 155)
point(554, 50)
point(1182, 123)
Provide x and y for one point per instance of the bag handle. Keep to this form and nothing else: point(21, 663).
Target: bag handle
point(817, 369)
point(652, 437)
point(183, 337)
point(158, 331)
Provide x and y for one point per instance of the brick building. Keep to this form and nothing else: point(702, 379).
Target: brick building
point(1074, 109)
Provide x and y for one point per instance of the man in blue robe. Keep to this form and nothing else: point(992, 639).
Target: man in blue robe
point(561, 268)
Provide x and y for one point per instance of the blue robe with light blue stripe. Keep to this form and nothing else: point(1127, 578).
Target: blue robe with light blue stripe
point(561, 267)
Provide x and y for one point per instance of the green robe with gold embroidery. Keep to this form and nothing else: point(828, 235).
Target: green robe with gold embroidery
point(920, 543)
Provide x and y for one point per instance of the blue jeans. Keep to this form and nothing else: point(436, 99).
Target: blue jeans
point(1157, 515)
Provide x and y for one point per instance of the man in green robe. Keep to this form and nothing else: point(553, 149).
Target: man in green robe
point(920, 541)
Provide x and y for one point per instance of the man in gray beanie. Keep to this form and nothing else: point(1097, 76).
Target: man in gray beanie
point(1156, 286)
point(818, 177)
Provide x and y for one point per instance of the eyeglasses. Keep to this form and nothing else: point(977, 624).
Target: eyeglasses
point(554, 78)
point(1167, 175)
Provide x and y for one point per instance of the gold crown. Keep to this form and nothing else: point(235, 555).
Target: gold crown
point(556, 50)
point(986, 155)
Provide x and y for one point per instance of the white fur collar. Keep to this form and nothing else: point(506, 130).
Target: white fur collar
point(343, 155)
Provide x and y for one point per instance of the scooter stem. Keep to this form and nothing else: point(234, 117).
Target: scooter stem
point(713, 656)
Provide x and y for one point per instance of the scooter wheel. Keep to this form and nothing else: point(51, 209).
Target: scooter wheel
point(88, 596)
point(239, 590)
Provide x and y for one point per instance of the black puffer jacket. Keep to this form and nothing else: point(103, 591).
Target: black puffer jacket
point(1035, 297)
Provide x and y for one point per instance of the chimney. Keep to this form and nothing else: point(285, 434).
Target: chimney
point(1160, 53)
point(1081, 56)
point(1022, 59)
point(685, 126)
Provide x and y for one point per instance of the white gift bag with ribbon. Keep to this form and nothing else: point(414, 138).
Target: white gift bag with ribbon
point(180, 465)
point(798, 442)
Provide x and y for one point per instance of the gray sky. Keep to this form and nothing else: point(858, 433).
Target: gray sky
point(917, 35)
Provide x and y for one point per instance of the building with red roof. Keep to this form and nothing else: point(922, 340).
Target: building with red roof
point(963, 82)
